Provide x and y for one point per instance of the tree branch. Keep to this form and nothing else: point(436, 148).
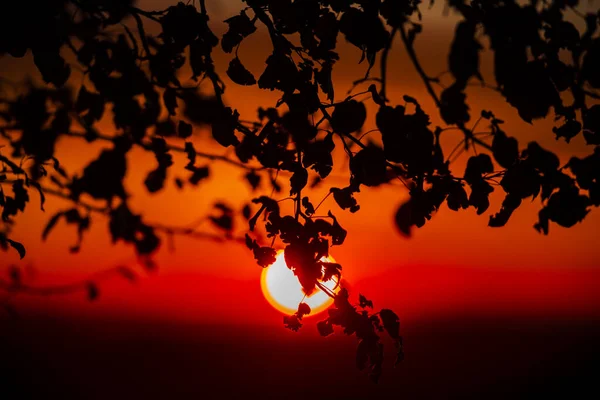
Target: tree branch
point(384, 57)
point(427, 82)
point(170, 230)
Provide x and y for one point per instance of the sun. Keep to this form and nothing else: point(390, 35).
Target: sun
point(283, 291)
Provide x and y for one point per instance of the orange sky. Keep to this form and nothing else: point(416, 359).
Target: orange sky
point(454, 263)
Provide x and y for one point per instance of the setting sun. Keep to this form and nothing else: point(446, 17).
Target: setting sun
point(283, 291)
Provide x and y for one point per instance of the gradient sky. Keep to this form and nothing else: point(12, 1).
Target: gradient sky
point(455, 264)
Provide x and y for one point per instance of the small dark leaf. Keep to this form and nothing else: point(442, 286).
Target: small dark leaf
point(170, 99)
point(51, 223)
point(345, 198)
point(338, 234)
point(264, 256)
point(591, 125)
point(567, 207)
point(240, 26)
point(568, 130)
point(510, 204)
point(190, 151)
point(364, 302)
point(92, 291)
point(476, 167)
point(155, 179)
point(200, 173)
point(253, 179)
point(453, 106)
point(463, 60)
point(224, 222)
point(36, 185)
point(330, 270)
point(325, 328)
point(250, 244)
point(308, 207)
point(348, 117)
point(224, 125)
point(303, 309)
point(298, 180)
point(505, 149)
point(184, 130)
point(369, 166)
point(292, 322)
point(239, 74)
point(457, 197)
point(246, 211)
point(391, 322)
point(17, 246)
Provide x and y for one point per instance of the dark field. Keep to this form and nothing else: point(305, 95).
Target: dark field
point(478, 358)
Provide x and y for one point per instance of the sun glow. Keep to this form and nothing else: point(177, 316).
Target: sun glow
point(283, 291)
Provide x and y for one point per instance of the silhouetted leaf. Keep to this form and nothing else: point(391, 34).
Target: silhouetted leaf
point(345, 198)
point(264, 256)
point(170, 99)
point(199, 174)
point(51, 223)
point(240, 26)
point(510, 204)
point(308, 207)
point(348, 116)
point(453, 107)
point(391, 322)
point(246, 211)
point(325, 328)
point(591, 125)
point(303, 309)
point(292, 322)
point(566, 207)
point(457, 197)
point(239, 74)
point(223, 128)
point(568, 130)
point(253, 179)
point(330, 270)
point(92, 291)
point(52, 66)
point(338, 234)
point(323, 77)
point(37, 186)
point(298, 180)
point(364, 302)
point(103, 177)
point(369, 166)
point(184, 130)
point(591, 64)
point(190, 152)
point(364, 30)
point(463, 60)
point(505, 149)
point(17, 246)
point(531, 91)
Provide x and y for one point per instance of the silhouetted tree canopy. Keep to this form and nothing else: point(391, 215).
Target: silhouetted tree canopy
point(99, 62)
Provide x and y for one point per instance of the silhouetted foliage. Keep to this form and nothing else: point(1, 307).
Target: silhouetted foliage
point(99, 63)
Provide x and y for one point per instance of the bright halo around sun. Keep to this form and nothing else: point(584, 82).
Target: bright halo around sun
point(283, 291)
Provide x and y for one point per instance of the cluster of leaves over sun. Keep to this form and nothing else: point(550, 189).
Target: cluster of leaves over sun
point(100, 62)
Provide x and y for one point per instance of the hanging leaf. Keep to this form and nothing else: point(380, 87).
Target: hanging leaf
point(239, 74)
